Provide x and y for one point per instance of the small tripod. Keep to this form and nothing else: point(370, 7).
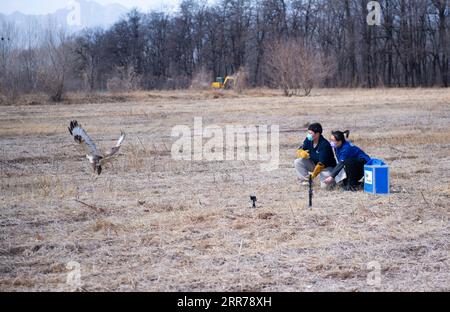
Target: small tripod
point(253, 199)
point(310, 191)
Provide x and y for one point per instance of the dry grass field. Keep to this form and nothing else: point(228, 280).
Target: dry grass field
point(151, 223)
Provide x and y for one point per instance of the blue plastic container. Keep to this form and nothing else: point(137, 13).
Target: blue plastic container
point(376, 177)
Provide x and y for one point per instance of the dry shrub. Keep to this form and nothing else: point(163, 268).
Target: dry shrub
point(136, 156)
point(125, 80)
point(201, 80)
point(241, 80)
point(116, 85)
point(51, 85)
point(295, 67)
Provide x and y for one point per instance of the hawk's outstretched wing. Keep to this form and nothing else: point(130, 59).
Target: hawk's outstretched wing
point(116, 148)
point(82, 137)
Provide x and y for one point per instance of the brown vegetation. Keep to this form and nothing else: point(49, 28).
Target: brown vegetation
point(151, 223)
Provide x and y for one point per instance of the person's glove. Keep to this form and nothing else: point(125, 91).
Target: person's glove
point(319, 167)
point(302, 153)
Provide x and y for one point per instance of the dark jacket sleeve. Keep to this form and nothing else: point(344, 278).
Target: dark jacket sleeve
point(337, 169)
point(304, 146)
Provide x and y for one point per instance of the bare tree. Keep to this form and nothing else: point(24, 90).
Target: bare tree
point(88, 53)
point(295, 67)
point(56, 59)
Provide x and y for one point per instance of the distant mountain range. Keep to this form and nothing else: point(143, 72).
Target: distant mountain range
point(78, 15)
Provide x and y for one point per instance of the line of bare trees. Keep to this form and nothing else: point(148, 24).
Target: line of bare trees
point(157, 50)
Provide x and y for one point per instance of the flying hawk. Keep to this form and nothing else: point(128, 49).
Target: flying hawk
point(95, 157)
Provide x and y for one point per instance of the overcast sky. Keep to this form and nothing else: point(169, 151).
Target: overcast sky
point(50, 6)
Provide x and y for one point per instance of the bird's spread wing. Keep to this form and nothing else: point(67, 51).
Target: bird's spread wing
point(82, 137)
point(116, 148)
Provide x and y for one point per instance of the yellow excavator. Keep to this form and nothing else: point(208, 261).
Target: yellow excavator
point(223, 83)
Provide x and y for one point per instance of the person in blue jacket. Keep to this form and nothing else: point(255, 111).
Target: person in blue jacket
point(350, 158)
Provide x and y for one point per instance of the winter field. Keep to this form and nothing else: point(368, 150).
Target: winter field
point(153, 223)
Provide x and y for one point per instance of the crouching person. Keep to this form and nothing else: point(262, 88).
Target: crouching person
point(350, 158)
point(315, 155)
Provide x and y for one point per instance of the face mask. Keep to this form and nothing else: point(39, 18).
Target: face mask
point(309, 137)
point(333, 144)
